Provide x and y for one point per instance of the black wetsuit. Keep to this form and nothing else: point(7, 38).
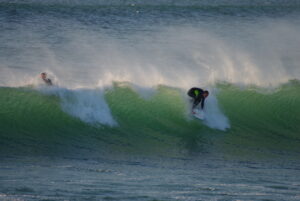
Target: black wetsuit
point(47, 81)
point(197, 95)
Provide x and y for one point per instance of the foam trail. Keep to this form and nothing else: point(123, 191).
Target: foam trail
point(88, 105)
point(214, 118)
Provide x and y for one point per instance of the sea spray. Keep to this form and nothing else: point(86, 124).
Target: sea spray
point(214, 117)
point(89, 105)
point(172, 56)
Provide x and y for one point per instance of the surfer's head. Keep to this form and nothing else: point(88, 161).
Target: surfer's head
point(43, 75)
point(205, 94)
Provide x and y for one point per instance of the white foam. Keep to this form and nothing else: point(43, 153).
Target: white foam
point(214, 117)
point(88, 105)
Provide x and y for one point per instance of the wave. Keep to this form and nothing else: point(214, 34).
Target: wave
point(241, 120)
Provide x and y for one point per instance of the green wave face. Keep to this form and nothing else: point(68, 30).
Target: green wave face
point(261, 120)
point(261, 124)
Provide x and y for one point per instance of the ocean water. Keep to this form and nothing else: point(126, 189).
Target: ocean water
point(116, 125)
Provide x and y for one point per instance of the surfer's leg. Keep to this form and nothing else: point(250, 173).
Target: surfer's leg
point(196, 102)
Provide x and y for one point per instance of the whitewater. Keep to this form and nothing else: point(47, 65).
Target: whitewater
point(116, 124)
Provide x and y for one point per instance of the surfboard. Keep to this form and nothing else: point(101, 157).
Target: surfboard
point(199, 114)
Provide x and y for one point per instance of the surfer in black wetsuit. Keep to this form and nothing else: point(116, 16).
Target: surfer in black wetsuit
point(45, 79)
point(198, 95)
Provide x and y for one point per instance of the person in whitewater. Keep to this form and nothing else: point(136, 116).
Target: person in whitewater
point(198, 96)
point(45, 79)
